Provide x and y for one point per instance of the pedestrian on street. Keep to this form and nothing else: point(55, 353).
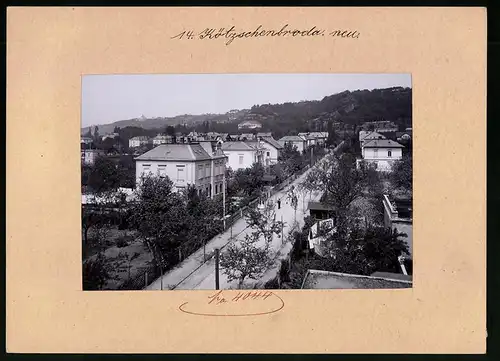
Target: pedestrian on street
point(279, 203)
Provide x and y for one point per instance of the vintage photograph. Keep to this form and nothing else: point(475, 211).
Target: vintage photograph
point(246, 181)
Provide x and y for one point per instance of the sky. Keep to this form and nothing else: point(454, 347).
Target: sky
point(109, 98)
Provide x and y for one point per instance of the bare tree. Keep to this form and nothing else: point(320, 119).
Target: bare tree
point(252, 256)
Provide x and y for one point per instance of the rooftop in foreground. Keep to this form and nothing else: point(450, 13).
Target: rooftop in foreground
point(316, 279)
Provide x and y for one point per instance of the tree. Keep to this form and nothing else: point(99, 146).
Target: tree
point(250, 180)
point(95, 273)
point(170, 130)
point(116, 130)
point(402, 174)
point(246, 260)
point(160, 218)
point(291, 159)
point(104, 175)
point(332, 136)
point(341, 182)
point(251, 257)
point(365, 252)
point(96, 134)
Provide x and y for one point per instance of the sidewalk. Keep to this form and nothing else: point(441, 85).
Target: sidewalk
point(183, 273)
point(192, 273)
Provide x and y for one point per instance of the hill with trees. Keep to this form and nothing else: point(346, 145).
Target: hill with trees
point(349, 108)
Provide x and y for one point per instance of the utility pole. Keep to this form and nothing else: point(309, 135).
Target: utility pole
point(216, 268)
point(282, 239)
point(224, 200)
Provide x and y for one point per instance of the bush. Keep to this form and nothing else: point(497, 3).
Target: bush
point(272, 284)
point(284, 273)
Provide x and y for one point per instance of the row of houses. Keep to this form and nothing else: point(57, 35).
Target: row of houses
point(302, 141)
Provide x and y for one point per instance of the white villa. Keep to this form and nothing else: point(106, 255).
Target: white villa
point(202, 165)
point(242, 155)
point(382, 153)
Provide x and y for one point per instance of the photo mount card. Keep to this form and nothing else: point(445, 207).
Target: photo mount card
point(51, 308)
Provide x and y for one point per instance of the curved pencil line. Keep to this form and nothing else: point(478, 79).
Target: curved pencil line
point(236, 315)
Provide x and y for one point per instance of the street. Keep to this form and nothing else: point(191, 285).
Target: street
point(192, 274)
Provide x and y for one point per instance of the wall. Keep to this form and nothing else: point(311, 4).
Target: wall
point(382, 153)
point(273, 154)
point(167, 168)
point(233, 159)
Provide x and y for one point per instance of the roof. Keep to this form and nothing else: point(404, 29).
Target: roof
point(250, 122)
point(264, 134)
point(316, 279)
point(315, 134)
point(382, 143)
point(273, 142)
point(318, 206)
point(228, 146)
point(373, 135)
point(187, 152)
point(292, 138)
point(399, 134)
point(394, 276)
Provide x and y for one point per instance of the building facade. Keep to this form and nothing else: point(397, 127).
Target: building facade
point(381, 154)
point(88, 156)
point(136, 142)
point(295, 141)
point(242, 155)
point(202, 165)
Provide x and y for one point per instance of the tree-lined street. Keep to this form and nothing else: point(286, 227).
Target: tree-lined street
point(189, 274)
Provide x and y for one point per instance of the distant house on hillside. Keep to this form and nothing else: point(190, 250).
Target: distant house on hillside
point(242, 155)
point(314, 138)
point(110, 136)
point(250, 124)
point(86, 140)
point(404, 136)
point(202, 165)
point(162, 139)
point(383, 126)
point(381, 153)
point(295, 141)
point(136, 142)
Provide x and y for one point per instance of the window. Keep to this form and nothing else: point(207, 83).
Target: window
point(389, 153)
point(200, 171)
point(268, 154)
point(375, 153)
point(146, 167)
point(180, 174)
point(241, 158)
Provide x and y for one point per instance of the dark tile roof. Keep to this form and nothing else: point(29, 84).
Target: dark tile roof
point(382, 143)
point(273, 142)
point(187, 152)
point(237, 146)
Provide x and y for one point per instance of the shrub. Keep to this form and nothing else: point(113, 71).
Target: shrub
point(272, 284)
